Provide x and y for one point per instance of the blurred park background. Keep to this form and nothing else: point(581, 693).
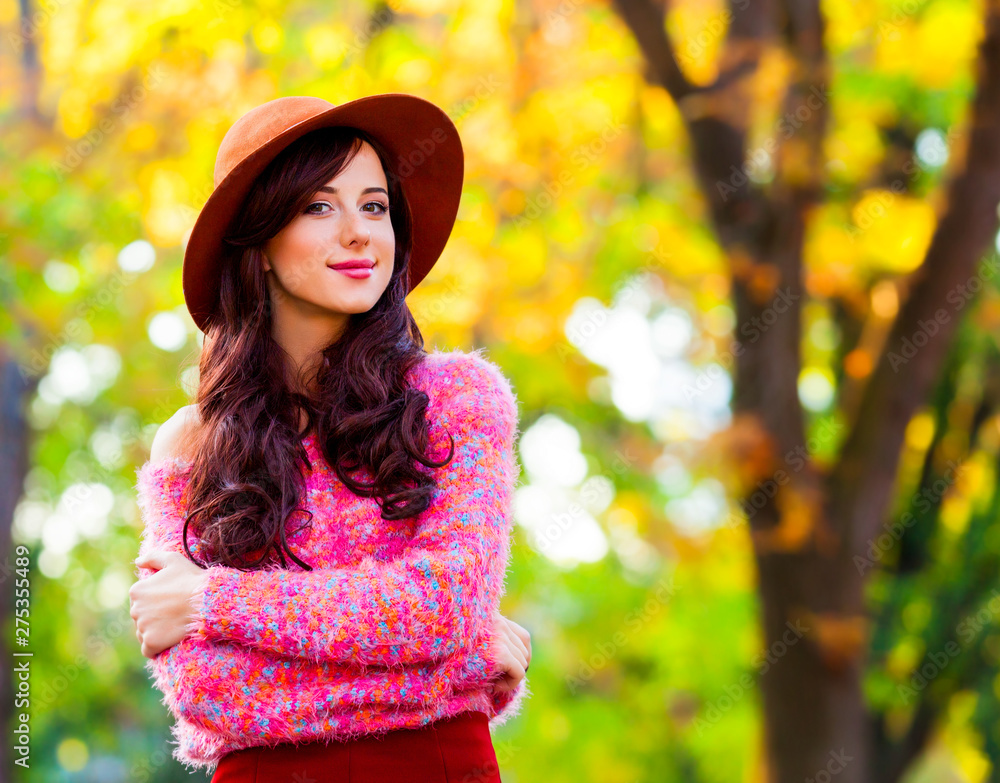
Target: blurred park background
point(739, 261)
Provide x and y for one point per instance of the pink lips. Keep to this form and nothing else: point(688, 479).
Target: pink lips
point(357, 268)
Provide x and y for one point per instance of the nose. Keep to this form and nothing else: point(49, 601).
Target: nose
point(353, 231)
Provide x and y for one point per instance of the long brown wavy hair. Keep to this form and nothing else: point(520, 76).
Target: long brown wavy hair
point(246, 477)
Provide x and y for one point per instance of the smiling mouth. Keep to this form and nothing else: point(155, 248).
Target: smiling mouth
point(357, 272)
point(346, 265)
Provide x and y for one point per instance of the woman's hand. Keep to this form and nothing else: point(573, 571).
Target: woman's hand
point(516, 653)
point(162, 603)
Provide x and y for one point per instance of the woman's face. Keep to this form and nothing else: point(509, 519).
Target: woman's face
point(346, 220)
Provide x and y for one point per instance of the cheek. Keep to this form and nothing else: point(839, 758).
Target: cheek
point(298, 256)
point(386, 243)
point(309, 245)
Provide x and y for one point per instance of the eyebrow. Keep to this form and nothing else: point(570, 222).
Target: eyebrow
point(333, 191)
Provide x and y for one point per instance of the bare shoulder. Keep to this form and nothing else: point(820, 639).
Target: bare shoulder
point(174, 437)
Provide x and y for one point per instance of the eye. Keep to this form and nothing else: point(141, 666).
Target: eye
point(382, 208)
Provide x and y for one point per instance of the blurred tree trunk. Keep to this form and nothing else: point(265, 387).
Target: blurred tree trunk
point(809, 531)
point(31, 73)
point(15, 391)
point(16, 388)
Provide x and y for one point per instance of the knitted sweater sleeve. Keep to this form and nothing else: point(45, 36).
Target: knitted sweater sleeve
point(277, 695)
point(439, 596)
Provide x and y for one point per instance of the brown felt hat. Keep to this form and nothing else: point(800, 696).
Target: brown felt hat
point(424, 150)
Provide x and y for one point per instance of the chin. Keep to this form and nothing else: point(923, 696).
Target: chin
point(348, 308)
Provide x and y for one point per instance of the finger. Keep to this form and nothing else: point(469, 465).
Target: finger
point(503, 648)
point(521, 631)
point(506, 682)
point(517, 657)
point(516, 640)
point(526, 639)
point(514, 675)
point(152, 559)
point(501, 686)
point(527, 644)
point(516, 649)
point(151, 648)
point(507, 661)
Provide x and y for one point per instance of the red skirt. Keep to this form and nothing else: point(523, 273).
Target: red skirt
point(452, 750)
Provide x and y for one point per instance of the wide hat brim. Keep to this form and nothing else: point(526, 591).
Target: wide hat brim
point(424, 149)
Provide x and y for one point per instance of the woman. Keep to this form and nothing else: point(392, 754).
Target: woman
point(324, 435)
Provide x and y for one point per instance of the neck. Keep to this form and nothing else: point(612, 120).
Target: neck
point(303, 338)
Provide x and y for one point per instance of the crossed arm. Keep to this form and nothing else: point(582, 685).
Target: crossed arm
point(437, 602)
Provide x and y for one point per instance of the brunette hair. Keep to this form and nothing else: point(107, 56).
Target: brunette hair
point(246, 478)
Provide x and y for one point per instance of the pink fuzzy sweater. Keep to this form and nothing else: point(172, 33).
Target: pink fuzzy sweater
point(393, 628)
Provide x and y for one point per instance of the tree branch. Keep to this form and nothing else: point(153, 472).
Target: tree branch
point(647, 22)
point(920, 337)
point(716, 115)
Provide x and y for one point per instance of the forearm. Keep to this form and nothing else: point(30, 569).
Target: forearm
point(425, 605)
point(422, 607)
point(199, 680)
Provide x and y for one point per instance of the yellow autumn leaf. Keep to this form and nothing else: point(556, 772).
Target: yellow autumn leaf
point(893, 230)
